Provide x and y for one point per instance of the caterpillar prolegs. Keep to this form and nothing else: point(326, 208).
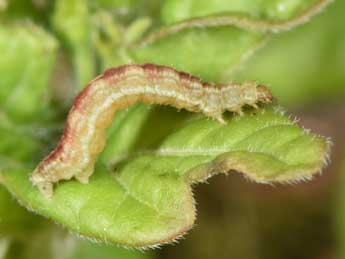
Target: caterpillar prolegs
point(93, 110)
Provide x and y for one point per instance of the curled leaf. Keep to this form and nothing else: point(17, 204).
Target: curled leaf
point(145, 199)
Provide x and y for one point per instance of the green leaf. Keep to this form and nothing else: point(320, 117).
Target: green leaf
point(192, 49)
point(116, 4)
point(28, 55)
point(126, 5)
point(226, 37)
point(273, 12)
point(319, 72)
point(128, 10)
point(72, 20)
point(146, 198)
point(189, 48)
point(26, 235)
point(226, 33)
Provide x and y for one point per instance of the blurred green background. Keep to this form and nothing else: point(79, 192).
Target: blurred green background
point(51, 49)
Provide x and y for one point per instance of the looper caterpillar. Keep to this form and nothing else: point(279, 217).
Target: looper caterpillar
point(93, 110)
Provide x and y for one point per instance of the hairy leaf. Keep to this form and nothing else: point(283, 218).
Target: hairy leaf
point(145, 198)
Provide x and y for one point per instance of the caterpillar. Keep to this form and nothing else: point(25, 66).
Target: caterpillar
point(84, 135)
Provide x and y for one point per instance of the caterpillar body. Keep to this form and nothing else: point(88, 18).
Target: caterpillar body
point(84, 135)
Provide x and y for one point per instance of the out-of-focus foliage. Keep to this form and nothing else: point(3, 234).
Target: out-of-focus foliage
point(72, 20)
point(306, 64)
point(37, 11)
point(21, 221)
point(24, 73)
point(272, 10)
point(192, 44)
point(192, 50)
point(341, 211)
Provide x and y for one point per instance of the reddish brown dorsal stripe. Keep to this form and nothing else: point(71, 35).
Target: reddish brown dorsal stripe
point(94, 108)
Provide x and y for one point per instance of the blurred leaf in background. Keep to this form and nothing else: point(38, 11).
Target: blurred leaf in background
point(340, 212)
point(305, 65)
point(274, 11)
point(24, 73)
point(72, 20)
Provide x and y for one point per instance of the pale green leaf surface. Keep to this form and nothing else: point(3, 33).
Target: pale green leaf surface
point(146, 198)
point(28, 55)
